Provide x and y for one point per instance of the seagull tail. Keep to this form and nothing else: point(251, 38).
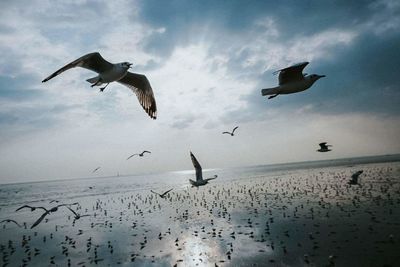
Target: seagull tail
point(269, 91)
point(94, 79)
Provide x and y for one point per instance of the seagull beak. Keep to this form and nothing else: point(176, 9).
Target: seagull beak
point(130, 64)
point(321, 76)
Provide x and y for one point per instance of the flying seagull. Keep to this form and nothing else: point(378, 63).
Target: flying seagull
point(199, 173)
point(109, 72)
point(95, 170)
point(77, 216)
point(233, 131)
point(140, 154)
point(292, 80)
point(10, 220)
point(324, 147)
point(354, 177)
point(47, 212)
point(163, 194)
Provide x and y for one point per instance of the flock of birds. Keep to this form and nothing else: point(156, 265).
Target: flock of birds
point(302, 218)
point(263, 202)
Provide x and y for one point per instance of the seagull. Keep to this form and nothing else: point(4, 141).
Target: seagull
point(140, 154)
point(47, 212)
point(95, 170)
point(77, 216)
point(10, 220)
point(199, 173)
point(354, 177)
point(30, 207)
point(231, 133)
point(109, 72)
point(163, 194)
point(292, 80)
point(324, 147)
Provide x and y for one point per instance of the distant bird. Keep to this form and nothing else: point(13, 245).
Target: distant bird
point(77, 216)
point(140, 154)
point(95, 170)
point(233, 131)
point(354, 177)
point(163, 194)
point(324, 147)
point(199, 173)
point(10, 220)
point(118, 72)
point(292, 80)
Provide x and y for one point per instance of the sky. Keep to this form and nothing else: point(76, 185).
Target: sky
point(207, 62)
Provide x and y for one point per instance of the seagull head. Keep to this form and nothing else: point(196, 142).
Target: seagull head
point(126, 64)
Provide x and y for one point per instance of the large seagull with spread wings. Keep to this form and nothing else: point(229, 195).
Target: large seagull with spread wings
point(109, 72)
point(292, 80)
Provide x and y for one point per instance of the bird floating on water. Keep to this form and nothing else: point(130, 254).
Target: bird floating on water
point(292, 80)
point(233, 131)
point(139, 154)
point(324, 147)
point(109, 72)
point(199, 173)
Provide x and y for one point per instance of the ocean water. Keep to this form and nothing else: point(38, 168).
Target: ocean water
point(301, 214)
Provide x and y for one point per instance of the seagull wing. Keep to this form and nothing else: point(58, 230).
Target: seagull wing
point(76, 214)
point(166, 192)
point(292, 73)
point(145, 151)
point(234, 129)
point(131, 156)
point(226, 133)
point(40, 219)
point(93, 61)
point(140, 85)
point(196, 164)
point(24, 206)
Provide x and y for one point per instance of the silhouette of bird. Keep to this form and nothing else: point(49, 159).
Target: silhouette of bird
point(233, 131)
point(10, 220)
point(324, 147)
point(77, 216)
point(292, 80)
point(95, 170)
point(109, 72)
point(140, 154)
point(354, 177)
point(47, 212)
point(199, 173)
point(163, 194)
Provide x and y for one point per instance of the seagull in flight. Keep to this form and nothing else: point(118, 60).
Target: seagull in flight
point(140, 154)
point(324, 147)
point(233, 131)
point(199, 173)
point(109, 72)
point(95, 170)
point(163, 195)
point(354, 177)
point(292, 80)
point(77, 216)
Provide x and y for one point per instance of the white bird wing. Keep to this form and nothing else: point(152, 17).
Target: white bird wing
point(140, 85)
point(197, 167)
point(93, 61)
point(292, 73)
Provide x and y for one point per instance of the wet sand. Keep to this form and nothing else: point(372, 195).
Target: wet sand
point(308, 217)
